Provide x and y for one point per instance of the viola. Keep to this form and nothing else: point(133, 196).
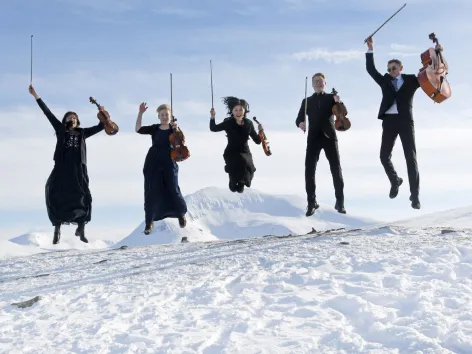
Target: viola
point(342, 123)
point(179, 151)
point(433, 75)
point(265, 145)
point(110, 127)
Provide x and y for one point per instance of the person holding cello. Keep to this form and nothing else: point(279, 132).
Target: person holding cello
point(396, 114)
point(162, 195)
point(321, 136)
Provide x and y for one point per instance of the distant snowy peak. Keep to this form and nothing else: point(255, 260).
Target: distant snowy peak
point(217, 200)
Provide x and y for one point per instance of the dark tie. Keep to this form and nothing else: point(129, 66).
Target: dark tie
point(394, 82)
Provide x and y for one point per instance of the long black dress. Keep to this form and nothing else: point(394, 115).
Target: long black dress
point(68, 197)
point(237, 155)
point(162, 195)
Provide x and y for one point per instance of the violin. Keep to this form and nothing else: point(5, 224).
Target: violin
point(432, 76)
point(342, 123)
point(110, 127)
point(179, 151)
point(265, 145)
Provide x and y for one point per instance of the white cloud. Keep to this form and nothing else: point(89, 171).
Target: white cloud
point(335, 56)
point(181, 11)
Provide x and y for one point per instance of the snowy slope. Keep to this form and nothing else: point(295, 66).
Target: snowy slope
point(458, 218)
point(219, 214)
point(390, 290)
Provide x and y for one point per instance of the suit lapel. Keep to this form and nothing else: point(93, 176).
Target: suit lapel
point(404, 82)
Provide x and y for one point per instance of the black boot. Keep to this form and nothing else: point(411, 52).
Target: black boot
point(148, 228)
point(394, 188)
point(57, 234)
point(81, 232)
point(182, 221)
point(240, 187)
point(340, 206)
point(312, 206)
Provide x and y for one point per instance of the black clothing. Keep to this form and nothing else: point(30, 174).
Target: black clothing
point(404, 96)
point(162, 195)
point(394, 125)
point(237, 155)
point(68, 198)
point(321, 136)
point(320, 115)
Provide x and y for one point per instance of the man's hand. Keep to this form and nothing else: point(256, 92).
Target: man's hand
point(212, 113)
point(336, 98)
point(174, 125)
point(370, 43)
point(302, 126)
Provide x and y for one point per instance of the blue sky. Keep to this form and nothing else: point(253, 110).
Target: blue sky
point(121, 53)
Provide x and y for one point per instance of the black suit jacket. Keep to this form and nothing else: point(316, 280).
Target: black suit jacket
point(404, 96)
point(320, 115)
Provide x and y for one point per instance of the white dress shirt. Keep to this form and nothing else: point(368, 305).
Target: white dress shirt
point(393, 109)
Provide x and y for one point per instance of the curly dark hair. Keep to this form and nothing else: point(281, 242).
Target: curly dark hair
point(231, 102)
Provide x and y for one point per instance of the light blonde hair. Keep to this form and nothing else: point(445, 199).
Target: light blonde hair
point(320, 75)
point(163, 107)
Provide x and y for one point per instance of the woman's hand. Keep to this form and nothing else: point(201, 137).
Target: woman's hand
point(32, 91)
point(142, 108)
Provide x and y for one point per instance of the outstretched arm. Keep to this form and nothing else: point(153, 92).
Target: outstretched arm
point(139, 118)
point(88, 132)
point(56, 124)
point(370, 64)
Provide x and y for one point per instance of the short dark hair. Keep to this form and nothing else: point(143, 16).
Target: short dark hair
point(396, 61)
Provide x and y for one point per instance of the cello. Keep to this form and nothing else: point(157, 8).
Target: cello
point(432, 77)
point(342, 122)
point(263, 137)
point(110, 127)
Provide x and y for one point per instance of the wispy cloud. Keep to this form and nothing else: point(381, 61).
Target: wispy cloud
point(185, 12)
point(336, 56)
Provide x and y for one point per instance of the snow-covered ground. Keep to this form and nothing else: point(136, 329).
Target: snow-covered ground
point(404, 288)
point(213, 214)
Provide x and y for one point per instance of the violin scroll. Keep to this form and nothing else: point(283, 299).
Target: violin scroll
point(110, 127)
point(342, 123)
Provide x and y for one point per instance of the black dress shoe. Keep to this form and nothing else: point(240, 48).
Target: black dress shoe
point(340, 207)
point(415, 203)
point(312, 206)
point(395, 187)
point(240, 187)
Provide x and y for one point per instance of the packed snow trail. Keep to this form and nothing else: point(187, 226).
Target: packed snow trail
point(390, 290)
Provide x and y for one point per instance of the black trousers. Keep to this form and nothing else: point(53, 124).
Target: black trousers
point(393, 126)
point(313, 149)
